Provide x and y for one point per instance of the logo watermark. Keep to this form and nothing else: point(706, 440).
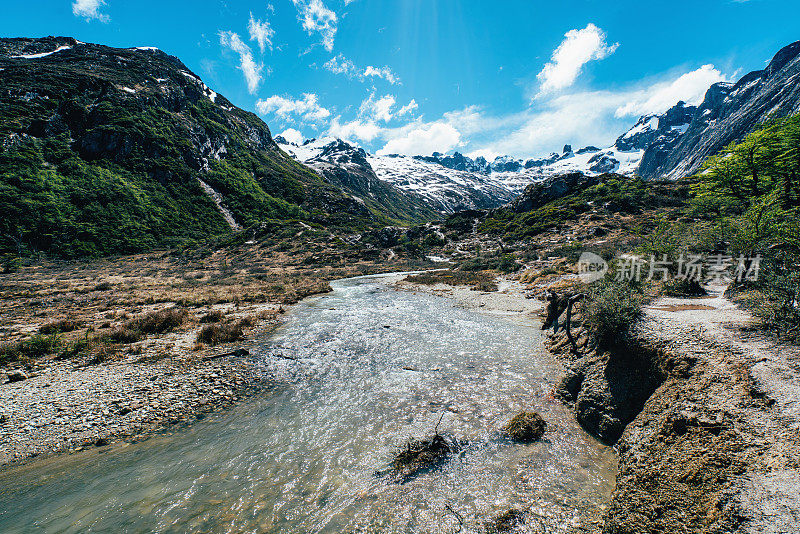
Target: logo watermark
point(591, 267)
point(712, 269)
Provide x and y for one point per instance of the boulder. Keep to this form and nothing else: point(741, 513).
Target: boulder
point(17, 375)
point(526, 427)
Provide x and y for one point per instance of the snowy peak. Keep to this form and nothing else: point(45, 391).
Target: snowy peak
point(437, 185)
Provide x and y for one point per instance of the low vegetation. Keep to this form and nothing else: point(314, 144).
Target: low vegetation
point(30, 349)
point(216, 334)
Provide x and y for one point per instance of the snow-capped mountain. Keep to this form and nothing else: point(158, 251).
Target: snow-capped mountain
point(441, 188)
point(686, 136)
point(453, 183)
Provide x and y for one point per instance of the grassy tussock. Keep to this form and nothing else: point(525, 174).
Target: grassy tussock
point(216, 334)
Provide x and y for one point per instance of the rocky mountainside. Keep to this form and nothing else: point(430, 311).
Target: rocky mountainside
point(106, 150)
point(456, 182)
point(671, 145)
point(677, 143)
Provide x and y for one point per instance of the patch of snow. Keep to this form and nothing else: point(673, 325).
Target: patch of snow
point(747, 86)
point(681, 129)
point(217, 198)
point(145, 48)
point(128, 90)
point(438, 259)
point(43, 54)
point(206, 91)
point(642, 126)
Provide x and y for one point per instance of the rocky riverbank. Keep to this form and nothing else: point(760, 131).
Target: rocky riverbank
point(703, 415)
point(64, 409)
point(114, 349)
point(511, 299)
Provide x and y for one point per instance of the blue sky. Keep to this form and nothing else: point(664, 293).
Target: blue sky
point(518, 77)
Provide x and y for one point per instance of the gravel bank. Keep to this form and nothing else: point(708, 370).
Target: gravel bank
point(64, 408)
point(511, 300)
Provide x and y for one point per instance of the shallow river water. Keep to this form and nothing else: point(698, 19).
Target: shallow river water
point(358, 372)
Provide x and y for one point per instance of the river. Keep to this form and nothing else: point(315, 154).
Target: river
point(358, 372)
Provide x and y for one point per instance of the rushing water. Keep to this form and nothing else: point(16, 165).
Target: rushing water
point(359, 372)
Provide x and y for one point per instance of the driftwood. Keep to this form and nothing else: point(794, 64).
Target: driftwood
point(572, 300)
point(419, 455)
point(238, 353)
point(556, 306)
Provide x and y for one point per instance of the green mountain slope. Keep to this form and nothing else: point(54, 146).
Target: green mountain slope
point(103, 151)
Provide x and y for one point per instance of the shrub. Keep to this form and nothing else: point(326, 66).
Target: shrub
point(612, 309)
point(77, 348)
point(214, 316)
point(34, 347)
point(215, 334)
point(60, 326)
point(9, 263)
point(158, 322)
point(508, 264)
point(124, 335)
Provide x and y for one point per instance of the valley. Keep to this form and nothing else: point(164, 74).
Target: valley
point(254, 330)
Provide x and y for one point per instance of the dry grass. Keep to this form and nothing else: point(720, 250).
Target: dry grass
point(216, 334)
point(124, 297)
point(60, 326)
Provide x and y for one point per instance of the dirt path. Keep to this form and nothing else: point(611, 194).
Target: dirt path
point(716, 448)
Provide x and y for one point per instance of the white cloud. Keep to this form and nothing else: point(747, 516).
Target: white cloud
point(427, 138)
point(293, 136)
point(251, 70)
point(411, 107)
point(261, 32)
point(378, 109)
point(89, 9)
point(582, 118)
point(307, 108)
point(363, 130)
point(341, 65)
point(315, 17)
point(690, 87)
point(578, 48)
point(382, 72)
point(579, 119)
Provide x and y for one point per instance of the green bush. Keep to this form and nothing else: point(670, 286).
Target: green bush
point(31, 348)
point(612, 309)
